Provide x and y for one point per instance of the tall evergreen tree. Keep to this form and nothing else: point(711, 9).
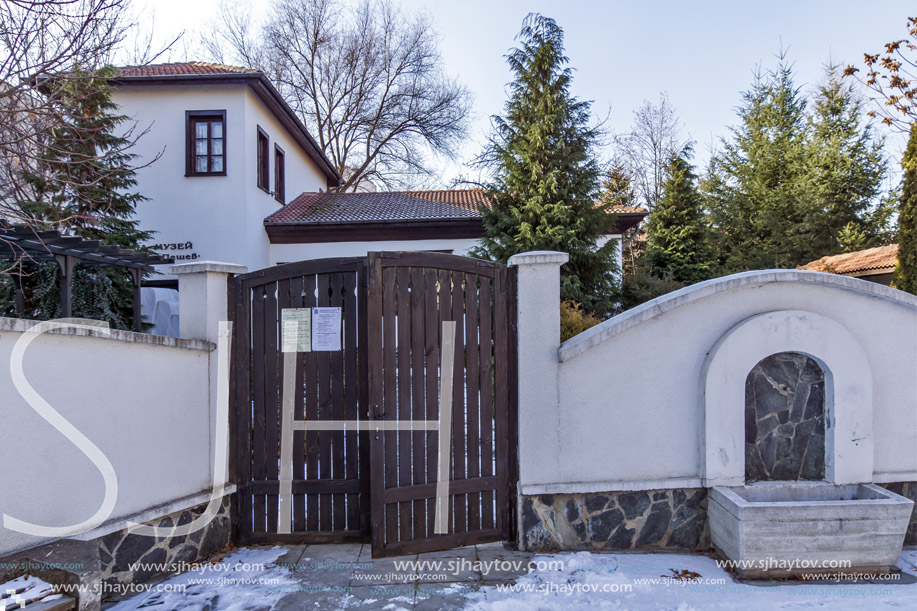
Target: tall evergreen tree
point(679, 236)
point(906, 271)
point(844, 171)
point(85, 179)
point(84, 182)
point(754, 197)
point(543, 196)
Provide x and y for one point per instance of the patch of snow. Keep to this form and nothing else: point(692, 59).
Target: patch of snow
point(245, 579)
point(649, 582)
point(26, 589)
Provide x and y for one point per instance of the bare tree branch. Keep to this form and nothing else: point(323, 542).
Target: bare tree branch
point(645, 151)
point(367, 81)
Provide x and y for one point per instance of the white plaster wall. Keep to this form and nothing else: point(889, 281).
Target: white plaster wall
point(288, 253)
point(221, 215)
point(630, 412)
point(145, 406)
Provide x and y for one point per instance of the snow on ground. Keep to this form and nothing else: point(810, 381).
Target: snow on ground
point(246, 579)
point(584, 576)
point(16, 593)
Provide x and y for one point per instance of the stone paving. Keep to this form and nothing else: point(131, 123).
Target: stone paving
point(346, 576)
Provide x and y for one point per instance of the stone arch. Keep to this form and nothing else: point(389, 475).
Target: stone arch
point(848, 393)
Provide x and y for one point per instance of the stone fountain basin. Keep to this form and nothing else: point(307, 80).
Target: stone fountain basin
point(788, 529)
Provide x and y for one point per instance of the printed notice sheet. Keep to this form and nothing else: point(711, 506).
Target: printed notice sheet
point(296, 329)
point(326, 329)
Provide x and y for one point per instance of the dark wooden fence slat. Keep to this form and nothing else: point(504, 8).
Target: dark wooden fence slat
point(501, 385)
point(258, 384)
point(390, 397)
point(271, 400)
point(323, 360)
point(459, 413)
point(432, 326)
point(445, 313)
point(473, 373)
point(351, 396)
point(403, 372)
point(299, 413)
point(375, 394)
point(364, 406)
point(310, 388)
point(339, 501)
point(418, 363)
point(485, 323)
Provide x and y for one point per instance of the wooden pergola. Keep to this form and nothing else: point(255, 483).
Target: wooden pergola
point(25, 243)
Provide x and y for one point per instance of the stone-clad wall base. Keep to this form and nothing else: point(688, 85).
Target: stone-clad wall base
point(907, 490)
point(119, 550)
point(652, 519)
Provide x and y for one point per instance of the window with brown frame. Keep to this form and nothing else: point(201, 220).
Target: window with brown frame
point(205, 149)
point(279, 175)
point(264, 161)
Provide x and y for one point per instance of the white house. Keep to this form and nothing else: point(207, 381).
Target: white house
point(233, 175)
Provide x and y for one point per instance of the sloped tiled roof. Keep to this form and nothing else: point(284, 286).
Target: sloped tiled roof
point(390, 206)
point(880, 258)
point(180, 69)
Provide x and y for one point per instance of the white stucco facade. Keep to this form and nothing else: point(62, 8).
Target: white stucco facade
point(221, 216)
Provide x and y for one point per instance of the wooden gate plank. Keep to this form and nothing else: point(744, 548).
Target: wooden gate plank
point(501, 386)
point(258, 460)
point(351, 397)
point(473, 374)
point(375, 390)
point(459, 411)
point(271, 401)
point(338, 500)
point(311, 401)
point(323, 360)
point(403, 372)
point(488, 498)
point(390, 395)
point(432, 327)
point(418, 364)
point(445, 313)
point(299, 413)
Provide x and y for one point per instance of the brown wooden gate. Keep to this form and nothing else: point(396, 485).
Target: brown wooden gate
point(363, 477)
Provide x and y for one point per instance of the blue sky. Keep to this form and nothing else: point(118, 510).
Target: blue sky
point(702, 53)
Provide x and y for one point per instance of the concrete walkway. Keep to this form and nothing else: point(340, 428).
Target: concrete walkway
point(346, 576)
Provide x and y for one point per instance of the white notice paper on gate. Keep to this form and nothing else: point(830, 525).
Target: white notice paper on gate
point(326, 329)
point(296, 329)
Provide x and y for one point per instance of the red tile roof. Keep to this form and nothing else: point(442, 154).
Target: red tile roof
point(391, 206)
point(180, 69)
point(851, 263)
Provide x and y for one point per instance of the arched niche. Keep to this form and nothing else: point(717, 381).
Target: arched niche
point(848, 393)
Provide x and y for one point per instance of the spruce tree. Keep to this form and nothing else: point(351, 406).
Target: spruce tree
point(844, 171)
point(905, 277)
point(84, 185)
point(679, 237)
point(754, 194)
point(543, 196)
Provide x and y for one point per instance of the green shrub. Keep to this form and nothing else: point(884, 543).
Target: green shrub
point(574, 320)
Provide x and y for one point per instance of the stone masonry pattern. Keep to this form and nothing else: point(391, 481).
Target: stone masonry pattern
point(119, 550)
point(785, 420)
point(662, 519)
